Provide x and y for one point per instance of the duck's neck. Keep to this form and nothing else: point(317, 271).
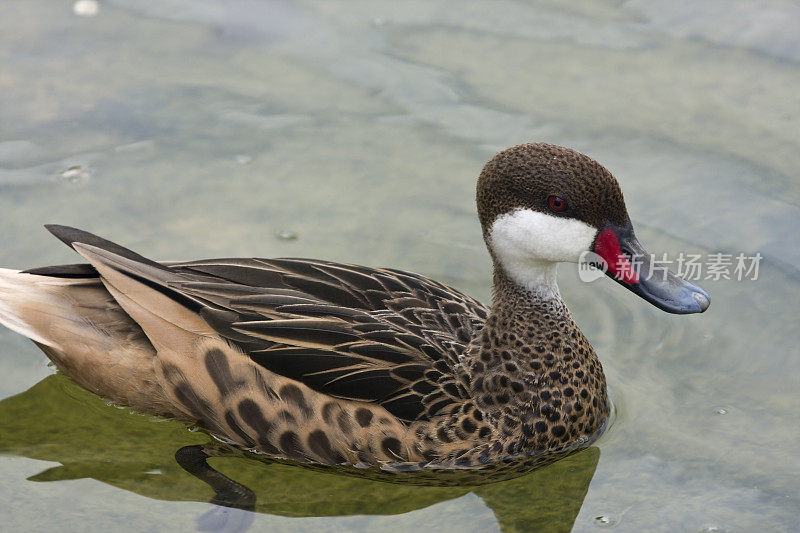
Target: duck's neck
point(532, 370)
point(537, 278)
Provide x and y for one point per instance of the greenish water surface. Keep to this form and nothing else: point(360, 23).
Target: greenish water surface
point(188, 129)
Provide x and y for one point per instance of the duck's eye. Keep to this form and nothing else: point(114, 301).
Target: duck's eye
point(557, 203)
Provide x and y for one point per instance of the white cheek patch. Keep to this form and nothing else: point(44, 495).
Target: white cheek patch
point(529, 234)
point(529, 244)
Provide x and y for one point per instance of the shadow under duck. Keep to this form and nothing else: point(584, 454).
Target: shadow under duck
point(325, 363)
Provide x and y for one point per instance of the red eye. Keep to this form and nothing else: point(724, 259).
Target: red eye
point(557, 203)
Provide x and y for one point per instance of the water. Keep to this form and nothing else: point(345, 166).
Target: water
point(354, 131)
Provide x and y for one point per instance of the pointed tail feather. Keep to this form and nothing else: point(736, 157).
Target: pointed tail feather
point(29, 304)
point(148, 291)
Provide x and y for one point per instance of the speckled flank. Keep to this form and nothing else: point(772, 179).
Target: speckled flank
point(232, 396)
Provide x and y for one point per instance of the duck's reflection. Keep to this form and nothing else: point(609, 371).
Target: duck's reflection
point(57, 421)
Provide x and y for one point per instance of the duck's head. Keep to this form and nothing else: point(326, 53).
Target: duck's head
point(541, 204)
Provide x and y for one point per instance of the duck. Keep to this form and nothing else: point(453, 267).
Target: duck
point(326, 363)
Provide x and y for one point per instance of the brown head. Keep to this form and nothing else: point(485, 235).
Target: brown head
point(525, 176)
point(540, 204)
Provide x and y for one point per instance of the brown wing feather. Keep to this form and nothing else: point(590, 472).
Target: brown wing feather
point(367, 334)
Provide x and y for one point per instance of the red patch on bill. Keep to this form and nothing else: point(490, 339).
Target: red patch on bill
point(607, 247)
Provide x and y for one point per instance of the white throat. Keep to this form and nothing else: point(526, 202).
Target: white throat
point(529, 245)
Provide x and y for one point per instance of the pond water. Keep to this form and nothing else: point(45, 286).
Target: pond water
point(354, 131)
